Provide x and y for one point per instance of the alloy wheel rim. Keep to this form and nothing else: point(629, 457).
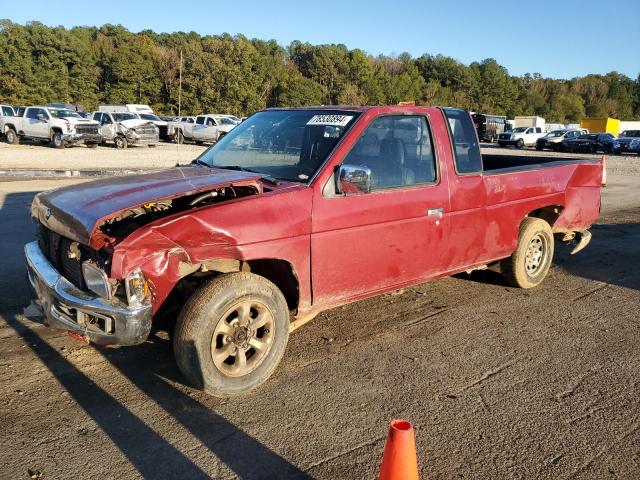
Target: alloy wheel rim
point(535, 254)
point(242, 338)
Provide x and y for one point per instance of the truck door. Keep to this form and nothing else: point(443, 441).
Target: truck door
point(394, 235)
point(468, 225)
point(37, 124)
point(108, 126)
point(198, 127)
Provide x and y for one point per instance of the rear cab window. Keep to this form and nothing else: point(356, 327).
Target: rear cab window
point(464, 141)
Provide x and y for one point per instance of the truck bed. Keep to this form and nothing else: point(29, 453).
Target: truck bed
point(502, 163)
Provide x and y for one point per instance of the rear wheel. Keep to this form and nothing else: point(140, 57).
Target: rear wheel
point(12, 137)
point(120, 142)
point(232, 334)
point(529, 264)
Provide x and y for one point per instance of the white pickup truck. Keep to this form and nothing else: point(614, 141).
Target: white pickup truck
point(60, 126)
point(520, 137)
point(126, 129)
point(211, 127)
point(181, 128)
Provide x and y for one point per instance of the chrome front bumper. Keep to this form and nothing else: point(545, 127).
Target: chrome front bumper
point(142, 139)
point(101, 321)
point(82, 137)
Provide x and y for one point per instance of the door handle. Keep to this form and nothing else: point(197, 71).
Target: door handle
point(434, 211)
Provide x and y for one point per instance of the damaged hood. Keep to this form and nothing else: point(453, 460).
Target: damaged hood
point(135, 122)
point(76, 212)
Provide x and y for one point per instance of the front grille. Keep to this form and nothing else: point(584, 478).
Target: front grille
point(146, 130)
point(504, 136)
point(57, 248)
point(87, 129)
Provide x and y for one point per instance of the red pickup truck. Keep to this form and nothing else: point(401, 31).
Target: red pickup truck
point(293, 212)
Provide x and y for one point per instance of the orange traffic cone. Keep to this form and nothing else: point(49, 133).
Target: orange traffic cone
point(399, 461)
point(604, 170)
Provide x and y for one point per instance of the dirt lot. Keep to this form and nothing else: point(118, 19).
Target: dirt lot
point(499, 382)
point(40, 157)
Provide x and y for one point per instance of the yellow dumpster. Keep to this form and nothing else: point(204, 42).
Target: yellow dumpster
point(601, 125)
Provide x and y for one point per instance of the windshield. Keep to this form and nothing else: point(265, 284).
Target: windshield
point(285, 144)
point(555, 133)
point(149, 116)
point(519, 129)
point(118, 117)
point(630, 133)
point(62, 113)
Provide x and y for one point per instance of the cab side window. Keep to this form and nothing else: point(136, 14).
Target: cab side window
point(32, 113)
point(398, 150)
point(200, 120)
point(464, 141)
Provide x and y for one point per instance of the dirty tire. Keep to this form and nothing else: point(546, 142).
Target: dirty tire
point(200, 318)
point(178, 137)
point(12, 137)
point(120, 142)
point(520, 143)
point(521, 269)
point(91, 145)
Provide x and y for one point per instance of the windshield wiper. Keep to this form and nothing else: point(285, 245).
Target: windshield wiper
point(264, 176)
point(200, 162)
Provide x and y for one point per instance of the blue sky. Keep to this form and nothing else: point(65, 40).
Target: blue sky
point(559, 39)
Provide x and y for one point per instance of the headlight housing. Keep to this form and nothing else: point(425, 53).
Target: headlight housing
point(137, 288)
point(96, 279)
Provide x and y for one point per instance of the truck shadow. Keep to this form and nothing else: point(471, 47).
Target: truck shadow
point(148, 451)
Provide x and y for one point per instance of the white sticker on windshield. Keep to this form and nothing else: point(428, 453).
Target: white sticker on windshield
point(335, 120)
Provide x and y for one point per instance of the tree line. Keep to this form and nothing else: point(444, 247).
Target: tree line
point(234, 74)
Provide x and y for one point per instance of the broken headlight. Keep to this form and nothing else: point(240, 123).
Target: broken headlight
point(96, 279)
point(137, 288)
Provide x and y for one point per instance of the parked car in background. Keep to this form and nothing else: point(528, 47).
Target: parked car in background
point(59, 126)
point(590, 143)
point(6, 111)
point(520, 137)
point(489, 126)
point(627, 142)
point(181, 128)
point(553, 140)
point(158, 122)
point(253, 241)
point(211, 127)
point(128, 107)
point(126, 129)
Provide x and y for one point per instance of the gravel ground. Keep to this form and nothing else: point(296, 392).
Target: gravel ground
point(39, 157)
point(499, 382)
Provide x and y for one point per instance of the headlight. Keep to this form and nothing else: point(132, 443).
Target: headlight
point(96, 279)
point(137, 288)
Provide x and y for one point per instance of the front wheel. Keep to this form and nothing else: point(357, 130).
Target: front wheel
point(12, 137)
point(178, 137)
point(232, 334)
point(520, 143)
point(120, 142)
point(529, 264)
point(56, 140)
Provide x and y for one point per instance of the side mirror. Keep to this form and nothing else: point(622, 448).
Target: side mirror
point(353, 179)
point(40, 117)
